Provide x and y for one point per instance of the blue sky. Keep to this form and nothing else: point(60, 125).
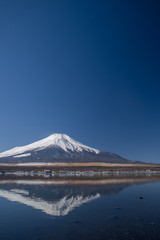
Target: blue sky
point(89, 69)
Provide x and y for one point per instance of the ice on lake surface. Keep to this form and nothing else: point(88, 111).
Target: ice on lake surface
point(80, 209)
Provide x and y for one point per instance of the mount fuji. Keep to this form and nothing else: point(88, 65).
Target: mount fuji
point(59, 148)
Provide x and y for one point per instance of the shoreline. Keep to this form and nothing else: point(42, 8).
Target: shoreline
point(78, 169)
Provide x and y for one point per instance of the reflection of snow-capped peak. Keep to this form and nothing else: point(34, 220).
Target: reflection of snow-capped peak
point(57, 208)
point(56, 140)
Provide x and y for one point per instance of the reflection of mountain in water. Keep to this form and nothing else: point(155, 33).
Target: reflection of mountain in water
point(57, 200)
point(58, 208)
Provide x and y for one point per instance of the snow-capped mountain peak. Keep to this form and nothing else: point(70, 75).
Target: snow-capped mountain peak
point(61, 141)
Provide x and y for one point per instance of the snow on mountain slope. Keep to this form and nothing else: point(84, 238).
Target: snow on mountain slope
point(56, 140)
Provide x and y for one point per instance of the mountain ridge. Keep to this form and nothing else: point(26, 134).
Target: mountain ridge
point(59, 148)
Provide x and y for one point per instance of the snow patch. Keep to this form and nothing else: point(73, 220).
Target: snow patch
point(21, 191)
point(22, 155)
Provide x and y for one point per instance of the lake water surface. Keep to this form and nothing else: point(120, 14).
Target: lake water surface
point(76, 209)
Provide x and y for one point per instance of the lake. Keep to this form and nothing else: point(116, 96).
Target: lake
point(96, 209)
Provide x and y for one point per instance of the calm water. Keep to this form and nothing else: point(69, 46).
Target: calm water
point(33, 209)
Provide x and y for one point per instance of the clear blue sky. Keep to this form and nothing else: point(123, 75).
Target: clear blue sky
point(90, 69)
